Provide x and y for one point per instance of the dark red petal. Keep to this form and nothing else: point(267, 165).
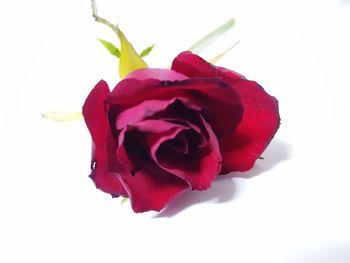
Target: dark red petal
point(220, 104)
point(157, 126)
point(149, 190)
point(151, 134)
point(192, 65)
point(154, 73)
point(157, 132)
point(260, 122)
point(148, 108)
point(96, 121)
point(260, 119)
point(201, 166)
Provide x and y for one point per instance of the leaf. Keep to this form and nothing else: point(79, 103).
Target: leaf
point(212, 36)
point(146, 51)
point(110, 47)
point(124, 199)
point(220, 56)
point(129, 59)
point(61, 116)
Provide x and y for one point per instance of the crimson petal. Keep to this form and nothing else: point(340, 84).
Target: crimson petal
point(204, 166)
point(150, 190)
point(192, 65)
point(260, 122)
point(155, 73)
point(135, 114)
point(96, 121)
point(260, 118)
point(217, 96)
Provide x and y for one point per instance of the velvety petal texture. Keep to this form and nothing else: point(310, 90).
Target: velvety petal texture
point(96, 121)
point(161, 131)
point(260, 120)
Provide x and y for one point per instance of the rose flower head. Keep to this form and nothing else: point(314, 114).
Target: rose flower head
point(161, 131)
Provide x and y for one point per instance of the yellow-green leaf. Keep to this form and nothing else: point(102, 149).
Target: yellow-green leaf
point(124, 199)
point(146, 51)
point(110, 47)
point(62, 116)
point(129, 59)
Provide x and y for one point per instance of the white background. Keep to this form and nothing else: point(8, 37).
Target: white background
point(292, 207)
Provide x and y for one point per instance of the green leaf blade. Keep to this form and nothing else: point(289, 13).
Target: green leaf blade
point(212, 36)
point(110, 47)
point(222, 54)
point(124, 199)
point(146, 51)
point(62, 116)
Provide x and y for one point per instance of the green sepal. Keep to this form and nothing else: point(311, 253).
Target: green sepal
point(129, 59)
point(212, 36)
point(124, 199)
point(146, 51)
point(110, 47)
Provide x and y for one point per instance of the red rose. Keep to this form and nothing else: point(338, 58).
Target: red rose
point(162, 131)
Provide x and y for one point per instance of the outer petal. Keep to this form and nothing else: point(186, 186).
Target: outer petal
point(260, 119)
point(204, 166)
point(96, 121)
point(155, 73)
point(148, 108)
point(260, 122)
point(152, 190)
point(218, 98)
point(192, 65)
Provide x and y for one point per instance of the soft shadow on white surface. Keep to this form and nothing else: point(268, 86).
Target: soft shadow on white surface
point(276, 152)
point(331, 253)
point(223, 188)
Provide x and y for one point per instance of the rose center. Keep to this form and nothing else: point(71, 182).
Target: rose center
point(177, 145)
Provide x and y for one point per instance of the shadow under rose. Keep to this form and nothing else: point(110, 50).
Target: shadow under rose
point(331, 253)
point(223, 188)
point(275, 153)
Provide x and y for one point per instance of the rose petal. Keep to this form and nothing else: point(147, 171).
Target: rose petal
point(192, 65)
point(260, 119)
point(96, 121)
point(260, 122)
point(149, 190)
point(154, 137)
point(219, 99)
point(147, 109)
point(160, 74)
point(178, 145)
point(143, 141)
point(200, 167)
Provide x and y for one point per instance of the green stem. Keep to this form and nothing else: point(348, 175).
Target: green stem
point(212, 36)
point(100, 19)
point(219, 56)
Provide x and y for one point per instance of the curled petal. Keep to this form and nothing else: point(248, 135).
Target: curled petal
point(149, 108)
point(260, 118)
point(96, 121)
point(194, 66)
point(260, 122)
point(150, 190)
point(217, 96)
point(204, 166)
point(154, 73)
